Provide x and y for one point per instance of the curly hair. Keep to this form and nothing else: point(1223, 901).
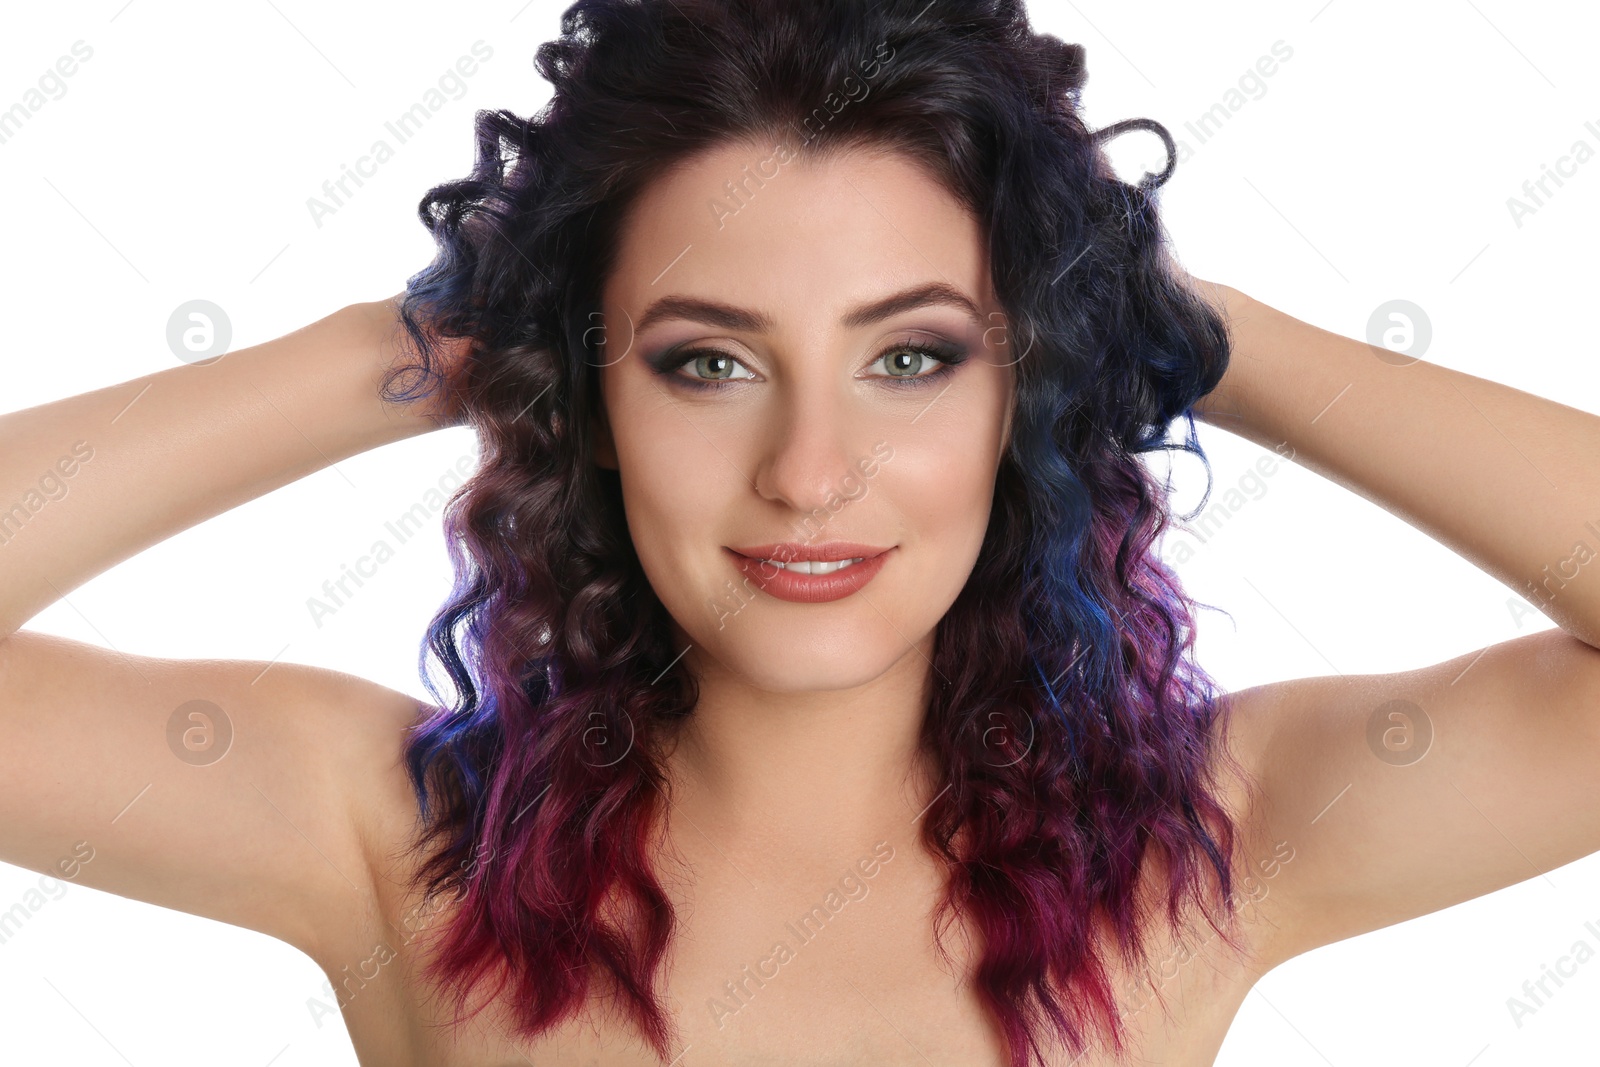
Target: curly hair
point(1070, 630)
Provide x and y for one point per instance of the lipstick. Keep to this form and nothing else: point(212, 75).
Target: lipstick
point(801, 588)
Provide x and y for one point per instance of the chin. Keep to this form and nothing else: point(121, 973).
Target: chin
point(802, 679)
point(781, 658)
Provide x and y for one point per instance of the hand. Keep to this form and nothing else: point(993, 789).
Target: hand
point(1229, 304)
point(448, 356)
point(1224, 299)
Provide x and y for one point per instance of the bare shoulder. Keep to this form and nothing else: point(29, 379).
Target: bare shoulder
point(260, 794)
point(380, 805)
point(1246, 732)
point(1398, 794)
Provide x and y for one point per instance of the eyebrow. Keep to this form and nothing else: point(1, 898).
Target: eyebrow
point(729, 317)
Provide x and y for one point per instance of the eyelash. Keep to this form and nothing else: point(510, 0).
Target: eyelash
point(669, 364)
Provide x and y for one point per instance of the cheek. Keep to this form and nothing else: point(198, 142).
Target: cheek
point(677, 482)
point(948, 459)
point(927, 483)
point(944, 486)
point(943, 479)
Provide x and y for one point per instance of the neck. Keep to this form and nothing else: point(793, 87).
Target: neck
point(813, 773)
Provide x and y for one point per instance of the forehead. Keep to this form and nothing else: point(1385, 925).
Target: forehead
point(798, 240)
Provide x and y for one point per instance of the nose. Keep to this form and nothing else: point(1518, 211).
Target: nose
point(808, 449)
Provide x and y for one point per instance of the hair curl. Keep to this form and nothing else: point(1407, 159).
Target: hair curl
point(1070, 627)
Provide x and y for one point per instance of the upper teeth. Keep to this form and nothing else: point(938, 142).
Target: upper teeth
point(814, 566)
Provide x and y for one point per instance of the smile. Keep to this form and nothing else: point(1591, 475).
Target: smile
point(814, 566)
point(799, 576)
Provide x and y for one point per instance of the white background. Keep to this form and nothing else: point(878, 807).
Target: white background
point(1374, 164)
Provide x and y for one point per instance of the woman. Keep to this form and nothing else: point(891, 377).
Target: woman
point(771, 285)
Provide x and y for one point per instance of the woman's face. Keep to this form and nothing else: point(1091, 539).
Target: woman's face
point(809, 412)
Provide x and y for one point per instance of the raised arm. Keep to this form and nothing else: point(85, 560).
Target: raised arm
point(91, 763)
point(155, 455)
point(1505, 478)
point(1417, 790)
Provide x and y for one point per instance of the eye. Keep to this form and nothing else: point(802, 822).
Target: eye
point(907, 363)
point(904, 361)
point(708, 366)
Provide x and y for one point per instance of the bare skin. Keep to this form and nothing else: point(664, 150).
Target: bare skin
point(314, 807)
point(805, 404)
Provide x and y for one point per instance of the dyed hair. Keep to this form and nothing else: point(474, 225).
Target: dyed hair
point(540, 781)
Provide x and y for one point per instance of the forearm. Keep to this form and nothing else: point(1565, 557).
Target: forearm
point(1505, 478)
point(90, 480)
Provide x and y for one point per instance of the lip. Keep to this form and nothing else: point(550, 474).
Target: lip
point(809, 588)
point(795, 552)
